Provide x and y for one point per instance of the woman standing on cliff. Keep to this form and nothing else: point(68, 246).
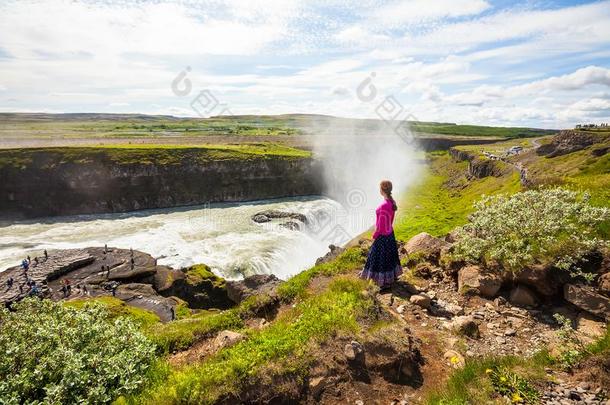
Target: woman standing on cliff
point(383, 264)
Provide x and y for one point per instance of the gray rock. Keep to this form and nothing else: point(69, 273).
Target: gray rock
point(421, 300)
point(353, 351)
point(253, 285)
point(465, 325)
point(227, 338)
point(261, 218)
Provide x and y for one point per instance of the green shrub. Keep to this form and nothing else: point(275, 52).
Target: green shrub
point(58, 354)
point(554, 226)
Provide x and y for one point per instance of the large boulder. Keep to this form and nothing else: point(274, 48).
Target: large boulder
point(523, 297)
point(478, 280)
point(425, 246)
point(546, 280)
point(587, 299)
point(238, 291)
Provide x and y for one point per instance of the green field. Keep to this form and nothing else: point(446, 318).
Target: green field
point(67, 126)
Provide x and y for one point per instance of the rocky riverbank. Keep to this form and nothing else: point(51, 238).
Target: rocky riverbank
point(129, 275)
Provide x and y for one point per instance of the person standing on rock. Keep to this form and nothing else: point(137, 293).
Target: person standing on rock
point(383, 264)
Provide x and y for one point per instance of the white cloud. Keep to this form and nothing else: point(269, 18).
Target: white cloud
point(590, 75)
point(419, 11)
point(561, 29)
point(447, 60)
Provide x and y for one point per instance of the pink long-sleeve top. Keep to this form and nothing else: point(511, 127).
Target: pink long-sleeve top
point(385, 217)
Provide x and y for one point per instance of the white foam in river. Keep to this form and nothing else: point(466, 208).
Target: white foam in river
point(221, 235)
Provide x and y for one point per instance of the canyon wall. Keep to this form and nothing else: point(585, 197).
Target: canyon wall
point(68, 181)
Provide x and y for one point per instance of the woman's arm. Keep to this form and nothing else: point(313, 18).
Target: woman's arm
point(378, 223)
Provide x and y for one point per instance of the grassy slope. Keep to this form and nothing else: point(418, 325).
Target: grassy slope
point(443, 197)
point(279, 349)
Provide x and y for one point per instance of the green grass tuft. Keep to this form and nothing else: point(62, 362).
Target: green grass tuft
point(296, 286)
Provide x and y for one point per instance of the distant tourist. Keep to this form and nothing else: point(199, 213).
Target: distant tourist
point(46, 255)
point(383, 265)
point(25, 264)
point(133, 263)
point(107, 271)
point(105, 248)
point(172, 312)
point(9, 283)
point(29, 260)
point(131, 252)
point(35, 260)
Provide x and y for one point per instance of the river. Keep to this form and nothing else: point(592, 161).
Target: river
point(223, 236)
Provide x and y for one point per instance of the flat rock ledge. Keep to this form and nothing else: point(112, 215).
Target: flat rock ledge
point(96, 271)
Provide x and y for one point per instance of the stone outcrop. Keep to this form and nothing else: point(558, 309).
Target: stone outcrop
point(475, 279)
point(268, 215)
point(253, 285)
point(333, 252)
point(567, 142)
point(93, 272)
point(477, 167)
point(587, 299)
point(94, 180)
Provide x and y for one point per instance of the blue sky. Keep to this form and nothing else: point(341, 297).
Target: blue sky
point(534, 63)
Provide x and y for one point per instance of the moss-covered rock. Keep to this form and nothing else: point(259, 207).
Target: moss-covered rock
point(197, 285)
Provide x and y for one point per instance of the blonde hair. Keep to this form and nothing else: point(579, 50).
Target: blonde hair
point(386, 187)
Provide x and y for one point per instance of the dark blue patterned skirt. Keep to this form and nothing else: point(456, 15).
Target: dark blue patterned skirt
point(383, 264)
